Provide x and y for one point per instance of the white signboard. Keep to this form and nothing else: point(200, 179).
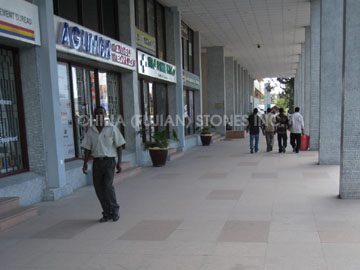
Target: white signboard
point(153, 67)
point(19, 20)
point(76, 39)
point(66, 113)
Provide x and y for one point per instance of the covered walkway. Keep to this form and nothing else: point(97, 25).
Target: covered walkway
point(217, 207)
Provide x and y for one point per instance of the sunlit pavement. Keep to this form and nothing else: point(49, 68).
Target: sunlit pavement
point(218, 207)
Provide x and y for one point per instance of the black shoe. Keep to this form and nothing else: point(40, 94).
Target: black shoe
point(252, 150)
point(294, 150)
point(104, 219)
point(116, 217)
point(280, 150)
point(284, 150)
point(297, 151)
point(270, 148)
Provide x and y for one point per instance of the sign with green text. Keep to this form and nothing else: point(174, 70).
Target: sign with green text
point(151, 66)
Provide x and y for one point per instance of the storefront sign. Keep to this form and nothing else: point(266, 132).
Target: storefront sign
point(191, 80)
point(145, 41)
point(19, 20)
point(156, 68)
point(75, 39)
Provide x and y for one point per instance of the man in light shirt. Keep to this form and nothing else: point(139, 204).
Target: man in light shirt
point(104, 142)
point(296, 129)
point(269, 123)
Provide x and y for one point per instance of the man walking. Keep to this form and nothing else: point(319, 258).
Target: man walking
point(296, 129)
point(255, 123)
point(269, 123)
point(104, 141)
point(282, 126)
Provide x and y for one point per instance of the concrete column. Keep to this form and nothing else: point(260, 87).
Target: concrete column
point(315, 75)
point(296, 87)
point(303, 78)
point(307, 84)
point(246, 93)
point(130, 81)
point(241, 90)
point(236, 84)
point(175, 91)
point(350, 130)
point(45, 65)
point(230, 87)
point(216, 97)
point(331, 51)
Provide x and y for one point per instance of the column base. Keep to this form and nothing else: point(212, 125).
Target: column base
point(53, 194)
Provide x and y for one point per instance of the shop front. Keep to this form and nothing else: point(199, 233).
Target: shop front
point(192, 101)
point(19, 27)
point(90, 68)
point(89, 75)
point(154, 77)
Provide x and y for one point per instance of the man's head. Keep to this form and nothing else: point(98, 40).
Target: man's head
point(268, 110)
point(255, 111)
point(297, 109)
point(281, 110)
point(99, 115)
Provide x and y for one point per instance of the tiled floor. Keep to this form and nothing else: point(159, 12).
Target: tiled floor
point(217, 208)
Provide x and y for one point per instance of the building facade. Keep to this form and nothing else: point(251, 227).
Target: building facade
point(60, 59)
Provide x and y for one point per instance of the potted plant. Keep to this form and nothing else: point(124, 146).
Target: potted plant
point(205, 134)
point(158, 147)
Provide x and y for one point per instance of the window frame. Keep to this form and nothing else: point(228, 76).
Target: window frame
point(21, 112)
point(80, 5)
point(143, 80)
point(96, 70)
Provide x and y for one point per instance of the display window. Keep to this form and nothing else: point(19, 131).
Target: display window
point(189, 111)
point(154, 108)
point(81, 89)
point(13, 148)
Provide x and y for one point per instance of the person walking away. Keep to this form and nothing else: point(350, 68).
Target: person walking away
point(269, 123)
point(296, 129)
point(255, 123)
point(104, 142)
point(282, 126)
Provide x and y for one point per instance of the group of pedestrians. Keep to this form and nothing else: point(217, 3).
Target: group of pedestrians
point(273, 123)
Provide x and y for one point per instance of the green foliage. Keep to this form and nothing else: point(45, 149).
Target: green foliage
point(268, 87)
point(161, 139)
point(205, 130)
point(287, 97)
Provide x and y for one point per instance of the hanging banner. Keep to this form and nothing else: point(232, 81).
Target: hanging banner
point(78, 40)
point(151, 66)
point(20, 20)
point(145, 41)
point(191, 80)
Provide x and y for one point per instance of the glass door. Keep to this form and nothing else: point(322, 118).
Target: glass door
point(84, 97)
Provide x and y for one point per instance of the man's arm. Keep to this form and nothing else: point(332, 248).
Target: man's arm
point(119, 154)
point(86, 159)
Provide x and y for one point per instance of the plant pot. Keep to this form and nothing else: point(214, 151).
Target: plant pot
point(158, 156)
point(205, 139)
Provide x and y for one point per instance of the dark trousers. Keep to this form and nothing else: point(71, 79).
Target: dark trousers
point(103, 177)
point(282, 141)
point(295, 141)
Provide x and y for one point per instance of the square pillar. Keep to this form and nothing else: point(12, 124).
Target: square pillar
point(45, 66)
point(174, 56)
point(315, 75)
point(216, 97)
point(350, 130)
point(331, 51)
point(230, 88)
point(307, 85)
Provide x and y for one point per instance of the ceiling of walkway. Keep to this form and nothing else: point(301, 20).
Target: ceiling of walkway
point(278, 26)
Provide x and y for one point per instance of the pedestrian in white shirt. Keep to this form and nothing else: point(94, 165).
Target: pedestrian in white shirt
point(296, 129)
point(104, 142)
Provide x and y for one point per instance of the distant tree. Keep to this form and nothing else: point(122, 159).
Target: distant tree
point(287, 96)
point(268, 87)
